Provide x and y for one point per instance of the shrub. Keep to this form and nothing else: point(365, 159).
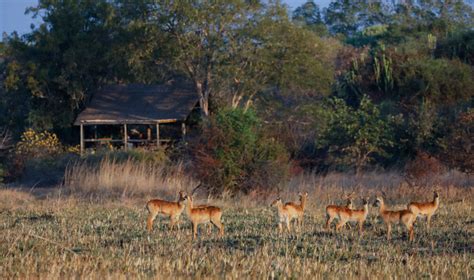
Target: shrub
point(422, 169)
point(457, 149)
point(233, 154)
point(38, 144)
point(354, 137)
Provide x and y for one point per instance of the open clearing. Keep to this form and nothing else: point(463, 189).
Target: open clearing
point(57, 237)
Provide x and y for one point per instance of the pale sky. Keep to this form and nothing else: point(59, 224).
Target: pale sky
point(13, 18)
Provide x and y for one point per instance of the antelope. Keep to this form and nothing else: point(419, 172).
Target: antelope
point(204, 214)
point(405, 217)
point(349, 215)
point(297, 210)
point(284, 214)
point(332, 211)
point(168, 208)
point(425, 208)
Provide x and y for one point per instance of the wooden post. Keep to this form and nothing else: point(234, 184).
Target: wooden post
point(82, 139)
point(158, 135)
point(125, 136)
point(148, 133)
point(183, 130)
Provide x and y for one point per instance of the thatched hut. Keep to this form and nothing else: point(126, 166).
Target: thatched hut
point(137, 104)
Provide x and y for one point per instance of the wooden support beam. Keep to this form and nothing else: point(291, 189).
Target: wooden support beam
point(183, 131)
point(82, 139)
point(148, 133)
point(125, 137)
point(158, 135)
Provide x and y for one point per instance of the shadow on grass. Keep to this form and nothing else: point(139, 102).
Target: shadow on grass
point(33, 218)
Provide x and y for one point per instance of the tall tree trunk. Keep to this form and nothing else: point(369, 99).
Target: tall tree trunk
point(203, 99)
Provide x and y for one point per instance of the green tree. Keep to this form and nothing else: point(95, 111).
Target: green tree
point(200, 33)
point(354, 137)
point(309, 15)
point(234, 50)
point(457, 150)
point(350, 16)
point(458, 45)
point(55, 66)
point(233, 154)
point(435, 16)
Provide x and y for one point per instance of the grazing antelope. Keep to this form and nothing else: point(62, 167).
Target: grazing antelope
point(297, 210)
point(425, 208)
point(168, 208)
point(332, 211)
point(349, 215)
point(405, 217)
point(204, 214)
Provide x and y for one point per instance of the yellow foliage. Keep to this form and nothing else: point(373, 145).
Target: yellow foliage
point(74, 149)
point(38, 144)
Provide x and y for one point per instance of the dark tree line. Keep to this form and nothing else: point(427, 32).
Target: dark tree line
point(350, 86)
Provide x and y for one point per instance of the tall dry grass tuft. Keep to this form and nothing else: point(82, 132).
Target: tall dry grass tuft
point(330, 188)
point(111, 178)
point(11, 199)
point(129, 178)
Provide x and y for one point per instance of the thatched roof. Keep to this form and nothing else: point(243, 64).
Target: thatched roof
point(139, 104)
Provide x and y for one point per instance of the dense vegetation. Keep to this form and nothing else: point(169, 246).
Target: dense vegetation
point(355, 86)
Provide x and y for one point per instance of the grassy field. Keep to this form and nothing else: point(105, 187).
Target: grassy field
point(58, 235)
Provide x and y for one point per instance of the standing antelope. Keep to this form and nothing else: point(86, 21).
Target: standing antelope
point(332, 211)
point(349, 215)
point(168, 208)
point(297, 210)
point(406, 217)
point(204, 214)
point(425, 208)
point(284, 214)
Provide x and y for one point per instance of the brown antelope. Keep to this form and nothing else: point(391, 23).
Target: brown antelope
point(284, 214)
point(204, 214)
point(332, 211)
point(405, 217)
point(425, 208)
point(349, 215)
point(297, 210)
point(168, 208)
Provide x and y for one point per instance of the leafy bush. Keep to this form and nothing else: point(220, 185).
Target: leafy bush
point(422, 169)
point(459, 45)
point(233, 154)
point(354, 137)
point(38, 144)
point(440, 81)
point(458, 151)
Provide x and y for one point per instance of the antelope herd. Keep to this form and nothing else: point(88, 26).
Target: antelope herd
point(287, 212)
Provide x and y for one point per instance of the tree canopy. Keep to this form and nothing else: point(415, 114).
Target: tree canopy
point(350, 86)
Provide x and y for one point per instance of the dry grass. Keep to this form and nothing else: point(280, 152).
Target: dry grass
point(57, 237)
point(68, 234)
point(130, 178)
